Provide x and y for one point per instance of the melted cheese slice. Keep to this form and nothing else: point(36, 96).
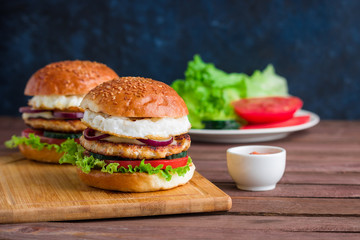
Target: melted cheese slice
point(116, 139)
point(46, 115)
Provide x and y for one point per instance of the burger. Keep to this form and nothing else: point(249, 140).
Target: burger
point(136, 138)
point(53, 113)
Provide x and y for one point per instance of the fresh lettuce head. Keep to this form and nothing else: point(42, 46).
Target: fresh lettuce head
point(74, 154)
point(266, 83)
point(208, 91)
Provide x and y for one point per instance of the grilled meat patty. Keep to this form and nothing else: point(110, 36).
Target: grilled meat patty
point(126, 150)
point(56, 125)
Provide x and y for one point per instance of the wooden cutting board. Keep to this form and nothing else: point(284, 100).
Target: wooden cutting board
point(31, 192)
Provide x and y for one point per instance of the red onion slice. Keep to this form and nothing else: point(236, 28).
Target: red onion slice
point(68, 115)
point(156, 143)
point(89, 134)
point(29, 109)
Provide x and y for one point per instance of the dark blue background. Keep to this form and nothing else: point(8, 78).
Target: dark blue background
point(314, 44)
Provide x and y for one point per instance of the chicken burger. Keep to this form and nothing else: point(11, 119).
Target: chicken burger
point(53, 113)
point(136, 138)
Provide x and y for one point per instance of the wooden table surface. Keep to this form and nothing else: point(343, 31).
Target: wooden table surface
point(317, 198)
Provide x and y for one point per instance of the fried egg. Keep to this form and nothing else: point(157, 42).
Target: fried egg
point(145, 128)
point(60, 102)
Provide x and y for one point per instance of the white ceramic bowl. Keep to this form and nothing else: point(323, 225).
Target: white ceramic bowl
point(256, 172)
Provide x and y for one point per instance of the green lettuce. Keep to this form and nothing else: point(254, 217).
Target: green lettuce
point(208, 92)
point(266, 83)
point(33, 141)
point(74, 154)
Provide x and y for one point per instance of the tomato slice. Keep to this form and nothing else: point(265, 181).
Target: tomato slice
point(267, 109)
point(43, 139)
point(288, 123)
point(174, 163)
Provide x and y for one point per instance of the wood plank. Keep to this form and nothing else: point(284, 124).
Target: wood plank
point(321, 178)
point(337, 178)
point(155, 233)
point(297, 190)
point(350, 146)
point(320, 165)
point(347, 156)
point(34, 191)
point(305, 151)
point(317, 165)
point(211, 220)
point(296, 206)
point(213, 226)
point(222, 176)
point(324, 166)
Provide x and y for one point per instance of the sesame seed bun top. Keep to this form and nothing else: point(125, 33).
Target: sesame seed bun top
point(68, 78)
point(135, 97)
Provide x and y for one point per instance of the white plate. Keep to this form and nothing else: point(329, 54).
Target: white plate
point(252, 135)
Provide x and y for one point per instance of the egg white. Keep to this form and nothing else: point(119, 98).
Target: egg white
point(148, 128)
point(56, 101)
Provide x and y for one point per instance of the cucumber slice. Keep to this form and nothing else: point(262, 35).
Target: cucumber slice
point(104, 157)
point(59, 135)
point(179, 155)
point(221, 124)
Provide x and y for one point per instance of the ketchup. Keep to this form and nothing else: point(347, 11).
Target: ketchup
point(257, 153)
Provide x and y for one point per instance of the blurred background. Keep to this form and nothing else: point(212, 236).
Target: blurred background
point(315, 45)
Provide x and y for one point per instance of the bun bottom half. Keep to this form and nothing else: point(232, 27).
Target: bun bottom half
point(133, 182)
point(44, 155)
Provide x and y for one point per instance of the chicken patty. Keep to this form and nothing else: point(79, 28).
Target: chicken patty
point(56, 125)
point(126, 150)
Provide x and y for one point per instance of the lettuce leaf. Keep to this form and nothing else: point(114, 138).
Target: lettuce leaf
point(208, 91)
point(74, 154)
point(266, 83)
point(33, 141)
point(72, 151)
